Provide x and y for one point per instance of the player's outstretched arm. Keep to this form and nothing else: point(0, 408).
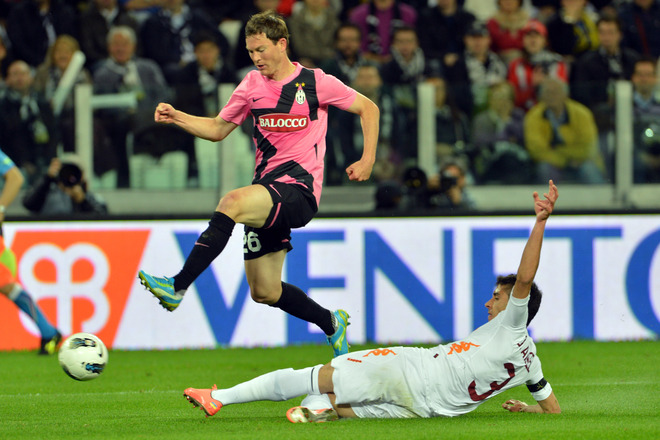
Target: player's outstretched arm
point(550, 405)
point(213, 129)
point(529, 261)
point(370, 119)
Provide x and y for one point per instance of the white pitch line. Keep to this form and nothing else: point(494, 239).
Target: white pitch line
point(104, 393)
point(608, 384)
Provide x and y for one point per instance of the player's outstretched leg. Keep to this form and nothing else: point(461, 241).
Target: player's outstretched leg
point(202, 398)
point(301, 414)
point(50, 336)
point(163, 289)
point(338, 340)
point(208, 246)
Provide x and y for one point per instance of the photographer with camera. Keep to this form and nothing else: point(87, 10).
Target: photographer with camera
point(63, 191)
point(537, 63)
point(443, 191)
point(448, 189)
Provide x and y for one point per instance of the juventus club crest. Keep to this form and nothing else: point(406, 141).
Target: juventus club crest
point(300, 94)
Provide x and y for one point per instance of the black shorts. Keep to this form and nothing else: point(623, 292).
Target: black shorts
point(293, 207)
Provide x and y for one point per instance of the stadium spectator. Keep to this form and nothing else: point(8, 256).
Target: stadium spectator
point(197, 83)
point(288, 174)
point(196, 91)
point(498, 140)
point(640, 22)
point(313, 28)
point(407, 382)
point(593, 76)
point(347, 58)
point(9, 285)
point(346, 65)
point(572, 30)
point(63, 191)
point(33, 25)
point(536, 64)
point(123, 72)
point(400, 78)
point(47, 82)
point(378, 20)
point(505, 28)
point(444, 27)
point(561, 137)
point(646, 107)
point(476, 69)
point(27, 124)
point(168, 36)
point(594, 73)
point(452, 129)
point(95, 22)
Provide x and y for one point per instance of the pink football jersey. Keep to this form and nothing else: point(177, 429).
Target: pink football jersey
point(290, 123)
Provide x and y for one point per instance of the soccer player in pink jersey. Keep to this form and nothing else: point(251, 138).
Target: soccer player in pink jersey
point(289, 104)
point(403, 382)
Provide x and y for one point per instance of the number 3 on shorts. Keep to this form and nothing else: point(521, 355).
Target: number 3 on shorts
point(251, 242)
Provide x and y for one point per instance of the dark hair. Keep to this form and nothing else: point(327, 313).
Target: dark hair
point(269, 23)
point(404, 29)
point(204, 36)
point(646, 59)
point(70, 175)
point(607, 18)
point(535, 294)
point(347, 25)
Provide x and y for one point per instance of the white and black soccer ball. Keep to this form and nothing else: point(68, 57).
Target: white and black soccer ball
point(83, 356)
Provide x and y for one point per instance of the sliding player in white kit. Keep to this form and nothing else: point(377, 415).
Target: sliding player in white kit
point(401, 382)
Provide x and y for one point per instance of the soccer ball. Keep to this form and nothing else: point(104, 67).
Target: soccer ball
point(83, 356)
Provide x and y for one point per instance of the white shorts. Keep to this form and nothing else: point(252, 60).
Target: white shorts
point(382, 383)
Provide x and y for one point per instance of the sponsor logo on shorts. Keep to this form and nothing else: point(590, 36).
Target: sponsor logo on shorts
point(282, 122)
point(459, 347)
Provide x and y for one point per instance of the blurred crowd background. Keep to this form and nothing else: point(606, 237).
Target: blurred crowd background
point(524, 89)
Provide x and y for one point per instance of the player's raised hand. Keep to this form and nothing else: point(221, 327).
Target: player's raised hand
point(360, 170)
point(164, 113)
point(543, 208)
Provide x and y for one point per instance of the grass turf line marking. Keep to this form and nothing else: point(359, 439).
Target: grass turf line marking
point(104, 393)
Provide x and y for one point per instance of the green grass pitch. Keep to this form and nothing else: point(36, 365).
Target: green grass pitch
point(606, 391)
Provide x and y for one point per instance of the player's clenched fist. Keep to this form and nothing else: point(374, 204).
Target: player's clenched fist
point(164, 113)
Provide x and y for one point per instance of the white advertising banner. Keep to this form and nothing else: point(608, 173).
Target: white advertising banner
point(411, 280)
